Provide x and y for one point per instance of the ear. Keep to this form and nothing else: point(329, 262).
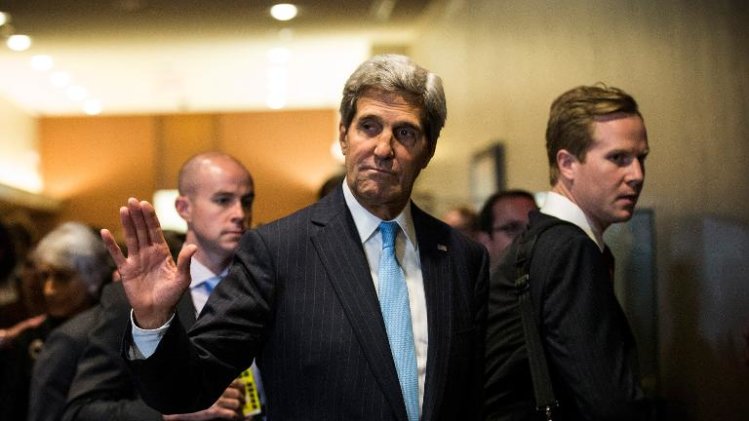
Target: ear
point(342, 139)
point(430, 154)
point(567, 164)
point(182, 205)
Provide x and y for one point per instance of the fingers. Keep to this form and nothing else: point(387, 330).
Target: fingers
point(233, 392)
point(135, 210)
point(153, 226)
point(184, 257)
point(112, 247)
point(141, 225)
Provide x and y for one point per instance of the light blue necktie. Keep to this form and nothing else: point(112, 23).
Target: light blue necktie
point(397, 315)
point(210, 283)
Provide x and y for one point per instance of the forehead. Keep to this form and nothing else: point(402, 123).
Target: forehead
point(513, 208)
point(620, 131)
point(390, 106)
point(224, 176)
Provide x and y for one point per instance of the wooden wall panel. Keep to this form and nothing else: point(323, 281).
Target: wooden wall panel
point(178, 137)
point(95, 164)
point(288, 154)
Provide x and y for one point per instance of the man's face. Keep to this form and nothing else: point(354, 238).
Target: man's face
point(219, 210)
point(385, 148)
point(608, 183)
point(510, 216)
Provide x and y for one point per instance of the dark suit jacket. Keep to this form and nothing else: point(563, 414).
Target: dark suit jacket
point(588, 343)
point(300, 297)
point(103, 387)
point(55, 366)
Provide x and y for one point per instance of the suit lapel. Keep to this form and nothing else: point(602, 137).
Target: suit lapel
point(436, 271)
point(350, 277)
point(186, 310)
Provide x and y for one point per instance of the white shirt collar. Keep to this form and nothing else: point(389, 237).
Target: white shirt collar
point(200, 273)
point(367, 223)
point(563, 208)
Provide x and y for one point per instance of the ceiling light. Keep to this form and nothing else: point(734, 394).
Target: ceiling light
point(92, 107)
point(42, 62)
point(77, 93)
point(283, 11)
point(60, 79)
point(275, 101)
point(4, 18)
point(19, 42)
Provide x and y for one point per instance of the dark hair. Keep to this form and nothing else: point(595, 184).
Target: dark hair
point(7, 253)
point(571, 120)
point(486, 216)
point(394, 73)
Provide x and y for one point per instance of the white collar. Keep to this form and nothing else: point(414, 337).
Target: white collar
point(200, 273)
point(367, 223)
point(563, 208)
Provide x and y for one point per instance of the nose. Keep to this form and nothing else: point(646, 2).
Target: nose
point(636, 174)
point(49, 288)
point(240, 214)
point(384, 146)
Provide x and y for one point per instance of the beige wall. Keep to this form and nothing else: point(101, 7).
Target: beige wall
point(687, 64)
point(93, 164)
point(19, 160)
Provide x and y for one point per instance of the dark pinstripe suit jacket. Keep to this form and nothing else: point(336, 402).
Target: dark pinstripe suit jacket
point(588, 344)
point(300, 297)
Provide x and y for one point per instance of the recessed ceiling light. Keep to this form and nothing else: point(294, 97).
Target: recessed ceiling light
point(92, 107)
point(77, 93)
point(42, 62)
point(19, 42)
point(3, 18)
point(283, 11)
point(60, 79)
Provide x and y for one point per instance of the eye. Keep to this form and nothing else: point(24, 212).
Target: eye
point(370, 127)
point(222, 200)
point(406, 135)
point(247, 201)
point(620, 159)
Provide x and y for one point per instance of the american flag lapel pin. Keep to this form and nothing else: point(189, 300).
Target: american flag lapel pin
point(442, 247)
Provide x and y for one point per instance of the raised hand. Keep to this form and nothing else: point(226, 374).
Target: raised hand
point(153, 282)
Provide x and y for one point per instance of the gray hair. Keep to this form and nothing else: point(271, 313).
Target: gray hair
point(394, 73)
point(75, 246)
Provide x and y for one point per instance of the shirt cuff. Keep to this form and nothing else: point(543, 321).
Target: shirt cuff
point(145, 341)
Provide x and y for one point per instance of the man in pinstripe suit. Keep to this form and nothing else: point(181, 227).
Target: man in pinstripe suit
point(302, 292)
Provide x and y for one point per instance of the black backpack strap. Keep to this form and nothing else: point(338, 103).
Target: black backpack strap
point(542, 388)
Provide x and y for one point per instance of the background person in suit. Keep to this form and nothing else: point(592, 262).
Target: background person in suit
point(596, 144)
point(216, 196)
point(303, 293)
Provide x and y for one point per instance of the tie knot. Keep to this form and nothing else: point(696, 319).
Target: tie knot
point(388, 229)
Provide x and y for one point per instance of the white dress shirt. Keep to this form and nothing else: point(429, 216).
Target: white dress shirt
point(407, 253)
point(563, 208)
point(200, 277)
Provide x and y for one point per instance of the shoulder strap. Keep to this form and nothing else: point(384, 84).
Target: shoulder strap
point(542, 388)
